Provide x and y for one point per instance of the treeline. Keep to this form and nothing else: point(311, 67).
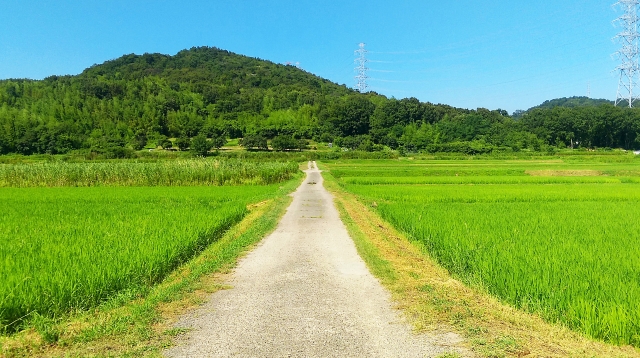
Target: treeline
point(135, 101)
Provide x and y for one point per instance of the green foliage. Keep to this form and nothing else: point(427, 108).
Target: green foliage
point(283, 143)
point(561, 245)
point(198, 91)
point(183, 143)
point(164, 142)
point(218, 142)
point(586, 127)
point(351, 116)
point(139, 140)
point(254, 142)
point(200, 146)
point(573, 102)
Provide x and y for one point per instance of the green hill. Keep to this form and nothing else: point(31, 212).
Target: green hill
point(143, 99)
point(123, 105)
point(203, 89)
point(573, 102)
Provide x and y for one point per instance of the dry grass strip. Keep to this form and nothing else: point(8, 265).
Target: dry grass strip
point(564, 173)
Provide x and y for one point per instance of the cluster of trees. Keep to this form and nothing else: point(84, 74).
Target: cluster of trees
point(576, 101)
point(211, 94)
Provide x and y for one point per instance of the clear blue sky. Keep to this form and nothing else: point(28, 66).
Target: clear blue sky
point(466, 53)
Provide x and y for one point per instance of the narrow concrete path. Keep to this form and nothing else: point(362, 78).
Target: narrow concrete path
point(304, 292)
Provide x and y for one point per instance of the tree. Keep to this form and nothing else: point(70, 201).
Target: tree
point(351, 117)
point(302, 144)
point(284, 142)
point(218, 142)
point(254, 142)
point(200, 145)
point(139, 141)
point(183, 143)
point(164, 142)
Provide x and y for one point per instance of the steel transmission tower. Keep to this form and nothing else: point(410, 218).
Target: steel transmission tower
point(361, 69)
point(630, 66)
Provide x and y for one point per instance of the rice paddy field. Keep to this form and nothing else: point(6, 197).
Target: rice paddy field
point(75, 235)
point(560, 238)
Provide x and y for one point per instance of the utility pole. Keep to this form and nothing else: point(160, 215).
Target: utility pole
point(628, 55)
point(361, 69)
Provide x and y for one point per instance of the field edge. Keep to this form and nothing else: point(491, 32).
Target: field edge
point(433, 301)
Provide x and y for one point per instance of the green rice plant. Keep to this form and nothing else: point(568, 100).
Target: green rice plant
point(567, 248)
point(535, 193)
point(373, 180)
point(477, 168)
point(572, 262)
point(63, 249)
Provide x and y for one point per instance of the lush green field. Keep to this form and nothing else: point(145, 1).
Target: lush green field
point(65, 248)
point(560, 238)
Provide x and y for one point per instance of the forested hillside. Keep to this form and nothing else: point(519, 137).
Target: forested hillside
point(572, 102)
point(135, 101)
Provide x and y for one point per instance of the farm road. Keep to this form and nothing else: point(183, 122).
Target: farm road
point(304, 292)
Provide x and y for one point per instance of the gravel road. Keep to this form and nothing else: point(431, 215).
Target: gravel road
point(304, 292)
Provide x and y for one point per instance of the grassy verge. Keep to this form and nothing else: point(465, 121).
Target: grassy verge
point(140, 323)
point(433, 300)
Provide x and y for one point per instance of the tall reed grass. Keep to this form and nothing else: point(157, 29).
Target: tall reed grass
point(191, 172)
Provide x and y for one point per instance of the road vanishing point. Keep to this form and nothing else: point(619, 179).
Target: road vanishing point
point(304, 292)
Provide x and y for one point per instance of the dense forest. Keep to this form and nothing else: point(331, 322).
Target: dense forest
point(141, 100)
